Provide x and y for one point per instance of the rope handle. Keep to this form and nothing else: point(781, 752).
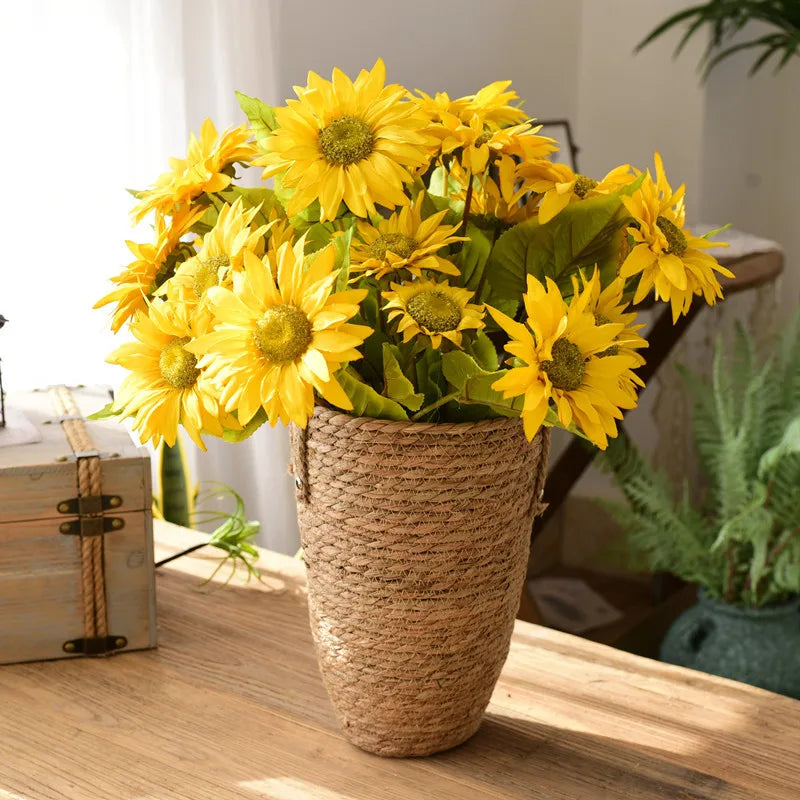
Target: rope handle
point(91, 548)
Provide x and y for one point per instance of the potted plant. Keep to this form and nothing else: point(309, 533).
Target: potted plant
point(421, 294)
point(742, 545)
point(724, 19)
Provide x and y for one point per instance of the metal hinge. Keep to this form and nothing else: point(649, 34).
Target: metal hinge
point(95, 645)
point(86, 454)
point(91, 504)
point(92, 526)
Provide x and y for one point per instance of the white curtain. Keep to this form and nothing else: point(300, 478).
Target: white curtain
point(96, 95)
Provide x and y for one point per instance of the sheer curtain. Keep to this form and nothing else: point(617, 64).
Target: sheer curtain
point(97, 94)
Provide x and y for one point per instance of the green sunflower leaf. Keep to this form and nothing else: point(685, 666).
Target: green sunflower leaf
point(397, 386)
point(261, 117)
point(580, 237)
point(473, 257)
point(366, 401)
point(484, 352)
point(239, 436)
point(474, 384)
point(106, 412)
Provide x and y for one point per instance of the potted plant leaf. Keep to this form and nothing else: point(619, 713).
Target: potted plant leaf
point(742, 544)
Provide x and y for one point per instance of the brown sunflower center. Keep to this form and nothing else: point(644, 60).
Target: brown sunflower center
point(346, 140)
point(566, 367)
point(398, 243)
point(483, 138)
point(283, 333)
point(178, 366)
point(674, 236)
point(583, 185)
point(207, 274)
point(435, 310)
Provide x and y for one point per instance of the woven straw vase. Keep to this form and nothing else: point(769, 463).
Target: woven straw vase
point(416, 542)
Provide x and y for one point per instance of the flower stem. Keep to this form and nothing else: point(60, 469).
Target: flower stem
point(440, 402)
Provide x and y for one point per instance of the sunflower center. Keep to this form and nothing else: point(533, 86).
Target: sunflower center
point(178, 367)
point(482, 139)
point(206, 274)
point(400, 244)
point(283, 333)
point(346, 140)
point(567, 366)
point(435, 310)
point(583, 185)
point(674, 236)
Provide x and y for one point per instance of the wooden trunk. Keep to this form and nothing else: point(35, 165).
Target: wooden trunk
point(46, 531)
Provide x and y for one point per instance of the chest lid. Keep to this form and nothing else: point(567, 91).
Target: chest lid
point(37, 477)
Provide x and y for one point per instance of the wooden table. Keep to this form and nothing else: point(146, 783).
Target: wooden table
point(231, 706)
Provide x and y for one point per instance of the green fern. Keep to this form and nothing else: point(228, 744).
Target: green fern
point(743, 545)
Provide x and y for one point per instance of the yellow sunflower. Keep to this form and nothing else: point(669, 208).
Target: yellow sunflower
point(504, 198)
point(561, 355)
point(481, 144)
point(560, 186)
point(492, 104)
point(205, 169)
point(165, 388)
point(404, 241)
point(664, 253)
point(155, 263)
point(436, 310)
point(280, 232)
point(273, 345)
point(358, 141)
point(221, 252)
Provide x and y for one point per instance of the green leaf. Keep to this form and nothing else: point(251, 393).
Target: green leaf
point(715, 231)
point(261, 117)
point(341, 264)
point(239, 436)
point(473, 257)
point(580, 237)
point(484, 352)
point(176, 496)
point(366, 401)
point(474, 384)
point(789, 443)
point(397, 386)
point(106, 412)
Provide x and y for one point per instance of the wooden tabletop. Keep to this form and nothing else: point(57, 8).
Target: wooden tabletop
point(231, 706)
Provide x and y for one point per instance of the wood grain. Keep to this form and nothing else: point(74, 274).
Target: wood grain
point(231, 706)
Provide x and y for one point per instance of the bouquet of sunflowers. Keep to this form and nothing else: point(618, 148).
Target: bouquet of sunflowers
point(416, 258)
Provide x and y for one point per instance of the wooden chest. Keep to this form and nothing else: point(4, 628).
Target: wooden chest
point(76, 536)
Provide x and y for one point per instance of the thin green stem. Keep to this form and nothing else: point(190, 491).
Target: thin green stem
point(433, 406)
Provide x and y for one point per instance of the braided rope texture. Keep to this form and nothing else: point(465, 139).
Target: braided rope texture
point(93, 590)
point(416, 540)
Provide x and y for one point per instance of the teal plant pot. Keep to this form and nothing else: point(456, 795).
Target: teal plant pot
point(759, 646)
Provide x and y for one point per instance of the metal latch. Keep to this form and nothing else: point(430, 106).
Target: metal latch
point(91, 504)
point(92, 526)
point(95, 645)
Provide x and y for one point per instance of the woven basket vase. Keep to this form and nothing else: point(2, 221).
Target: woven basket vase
point(416, 542)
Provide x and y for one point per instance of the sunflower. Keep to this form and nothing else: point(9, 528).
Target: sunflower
point(561, 355)
point(205, 169)
point(491, 104)
point(560, 186)
point(435, 310)
point(273, 345)
point(481, 144)
point(503, 198)
point(221, 252)
point(404, 241)
point(155, 263)
point(664, 253)
point(357, 141)
point(280, 232)
point(165, 387)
